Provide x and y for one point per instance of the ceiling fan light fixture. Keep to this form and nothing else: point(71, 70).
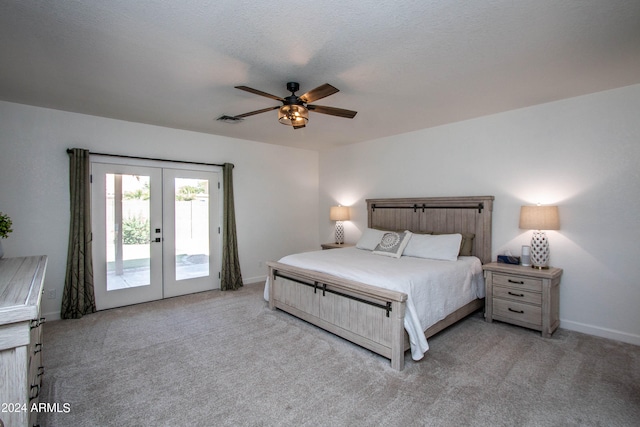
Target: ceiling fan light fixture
point(295, 109)
point(293, 115)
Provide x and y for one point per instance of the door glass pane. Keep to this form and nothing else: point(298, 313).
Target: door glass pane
point(191, 228)
point(128, 231)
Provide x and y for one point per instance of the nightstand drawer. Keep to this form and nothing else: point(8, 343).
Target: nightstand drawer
point(517, 294)
point(510, 310)
point(517, 282)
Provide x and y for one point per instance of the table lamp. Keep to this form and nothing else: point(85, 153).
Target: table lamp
point(339, 214)
point(539, 218)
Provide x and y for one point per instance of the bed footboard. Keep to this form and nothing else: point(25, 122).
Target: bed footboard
point(373, 317)
point(365, 315)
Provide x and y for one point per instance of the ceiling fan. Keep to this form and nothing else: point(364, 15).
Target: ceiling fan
point(295, 109)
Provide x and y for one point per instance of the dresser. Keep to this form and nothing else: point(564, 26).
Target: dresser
point(21, 370)
point(523, 296)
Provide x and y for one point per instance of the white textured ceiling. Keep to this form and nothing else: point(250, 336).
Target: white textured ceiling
point(403, 65)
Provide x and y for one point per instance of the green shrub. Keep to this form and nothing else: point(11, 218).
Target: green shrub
point(135, 231)
point(5, 225)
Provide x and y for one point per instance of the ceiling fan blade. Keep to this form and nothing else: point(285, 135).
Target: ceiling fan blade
point(259, 92)
point(340, 112)
point(251, 113)
point(318, 93)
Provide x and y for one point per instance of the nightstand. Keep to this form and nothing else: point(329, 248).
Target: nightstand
point(336, 245)
point(523, 296)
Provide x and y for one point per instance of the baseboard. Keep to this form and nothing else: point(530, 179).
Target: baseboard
point(54, 315)
point(600, 332)
point(257, 279)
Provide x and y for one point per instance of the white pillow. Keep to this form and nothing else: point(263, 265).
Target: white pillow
point(393, 243)
point(370, 239)
point(434, 246)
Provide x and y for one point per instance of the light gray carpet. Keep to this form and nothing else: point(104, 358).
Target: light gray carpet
point(223, 358)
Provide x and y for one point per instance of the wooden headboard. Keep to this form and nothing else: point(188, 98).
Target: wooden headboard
point(437, 214)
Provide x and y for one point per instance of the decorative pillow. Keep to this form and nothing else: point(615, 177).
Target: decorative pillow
point(393, 243)
point(466, 246)
point(442, 247)
point(370, 239)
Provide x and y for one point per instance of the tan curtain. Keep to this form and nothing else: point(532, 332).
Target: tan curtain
point(231, 277)
point(78, 297)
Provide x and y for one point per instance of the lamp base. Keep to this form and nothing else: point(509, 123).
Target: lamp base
point(339, 233)
point(539, 250)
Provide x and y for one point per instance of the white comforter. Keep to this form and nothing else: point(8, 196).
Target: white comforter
point(434, 288)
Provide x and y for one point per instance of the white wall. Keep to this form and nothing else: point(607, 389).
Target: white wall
point(275, 188)
point(582, 154)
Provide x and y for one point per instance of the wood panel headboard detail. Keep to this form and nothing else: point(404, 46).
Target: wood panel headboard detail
point(469, 214)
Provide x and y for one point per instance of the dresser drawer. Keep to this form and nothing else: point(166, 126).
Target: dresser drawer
point(514, 311)
point(517, 294)
point(518, 282)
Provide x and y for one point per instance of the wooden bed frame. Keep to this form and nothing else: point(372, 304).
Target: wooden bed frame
point(367, 315)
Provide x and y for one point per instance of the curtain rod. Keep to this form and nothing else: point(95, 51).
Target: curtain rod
point(70, 150)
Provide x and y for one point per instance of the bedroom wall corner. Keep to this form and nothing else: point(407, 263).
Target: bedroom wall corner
point(580, 153)
point(275, 187)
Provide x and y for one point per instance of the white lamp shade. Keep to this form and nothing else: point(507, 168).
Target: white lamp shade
point(539, 218)
point(339, 213)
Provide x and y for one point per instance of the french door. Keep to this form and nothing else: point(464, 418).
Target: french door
point(156, 231)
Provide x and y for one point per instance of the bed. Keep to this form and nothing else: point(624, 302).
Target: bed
point(383, 319)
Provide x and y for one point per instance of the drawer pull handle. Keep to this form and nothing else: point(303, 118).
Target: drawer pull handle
point(37, 387)
point(516, 295)
point(35, 323)
point(37, 348)
point(40, 371)
point(517, 282)
point(516, 311)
